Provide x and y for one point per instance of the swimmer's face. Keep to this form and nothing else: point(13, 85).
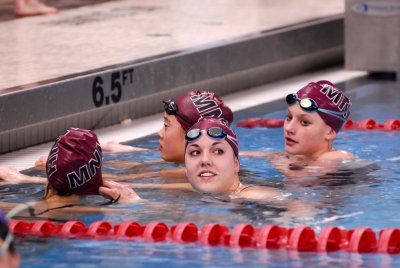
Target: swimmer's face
point(211, 165)
point(306, 133)
point(172, 140)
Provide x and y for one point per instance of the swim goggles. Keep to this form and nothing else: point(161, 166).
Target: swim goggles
point(310, 105)
point(213, 132)
point(171, 108)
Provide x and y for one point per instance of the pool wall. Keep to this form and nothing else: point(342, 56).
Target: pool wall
point(104, 97)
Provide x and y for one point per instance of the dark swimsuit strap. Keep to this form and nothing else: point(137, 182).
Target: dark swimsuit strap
point(32, 212)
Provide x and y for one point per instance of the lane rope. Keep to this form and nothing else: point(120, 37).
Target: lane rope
point(271, 237)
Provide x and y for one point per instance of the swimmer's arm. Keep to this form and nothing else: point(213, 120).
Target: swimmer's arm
point(259, 193)
point(295, 208)
point(130, 176)
point(255, 154)
point(167, 174)
point(167, 186)
point(336, 155)
point(115, 147)
point(10, 175)
point(269, 156)
point(174, 173)
point(122, 164)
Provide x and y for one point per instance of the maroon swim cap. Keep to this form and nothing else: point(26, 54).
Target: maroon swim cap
point(328, 97)
point(74, 163)
point(209, 122)
point(197, 104)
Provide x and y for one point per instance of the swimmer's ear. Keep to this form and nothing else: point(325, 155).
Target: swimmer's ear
point(49, 192)
point(331, 134)
point(237, 165)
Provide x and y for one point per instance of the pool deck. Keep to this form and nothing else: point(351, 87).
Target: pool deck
point(82, 39)
point(88, 38)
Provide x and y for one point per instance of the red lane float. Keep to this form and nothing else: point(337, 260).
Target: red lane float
point(213, 234)
point(184, 232)
point(72, 229)
point(302, 238)
point(155, 232)
point(366, 124)
point(242, 236)
point(128, 230)
point(389, 241)
point(271, 237)
point(332, 239)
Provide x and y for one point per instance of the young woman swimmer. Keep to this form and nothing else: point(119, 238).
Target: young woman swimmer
point(315, 115)
point(73, 169)
point(212, 164)
point(180, 114)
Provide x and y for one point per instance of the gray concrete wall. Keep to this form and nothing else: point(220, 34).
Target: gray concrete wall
point(372, 35)
point(135, 89)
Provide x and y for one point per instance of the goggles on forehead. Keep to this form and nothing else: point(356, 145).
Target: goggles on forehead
point(171, 108)
point(310, 105)
point(213, 132)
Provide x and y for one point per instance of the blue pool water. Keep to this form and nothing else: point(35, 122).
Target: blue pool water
point(367, 196)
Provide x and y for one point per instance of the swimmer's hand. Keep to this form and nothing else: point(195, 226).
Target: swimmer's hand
point(115, 147)
point(10, 175)
point(118, 192)
point(40, 163)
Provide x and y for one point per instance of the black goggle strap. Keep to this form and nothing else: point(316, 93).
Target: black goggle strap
point(342, 116)
point(171, 108)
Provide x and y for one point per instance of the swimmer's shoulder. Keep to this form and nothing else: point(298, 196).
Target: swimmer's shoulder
point(258, 192)
point(337, 155)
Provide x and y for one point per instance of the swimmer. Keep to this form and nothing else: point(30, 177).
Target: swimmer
point(74, 169)
point(9, 258)
point(24, 8)
point(180, 114)
point(212, 162)
point(315, 115)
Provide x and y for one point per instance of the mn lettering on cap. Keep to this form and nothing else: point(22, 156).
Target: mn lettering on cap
point(199, 104)
point(74, 163)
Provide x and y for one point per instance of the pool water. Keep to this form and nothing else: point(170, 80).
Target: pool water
point(363, 196)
